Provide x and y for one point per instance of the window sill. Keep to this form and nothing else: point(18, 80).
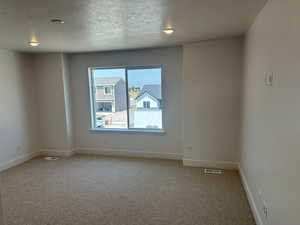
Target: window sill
point(128, 130)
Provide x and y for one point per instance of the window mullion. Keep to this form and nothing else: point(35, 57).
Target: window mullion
point(93, 90)
point(127, 97)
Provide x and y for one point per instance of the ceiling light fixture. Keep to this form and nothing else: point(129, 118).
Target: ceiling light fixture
point(58, 21)
point(34, 43)
point(168, 31)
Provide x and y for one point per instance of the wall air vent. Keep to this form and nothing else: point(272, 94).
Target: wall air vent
point(51, 158)
point(213, 171)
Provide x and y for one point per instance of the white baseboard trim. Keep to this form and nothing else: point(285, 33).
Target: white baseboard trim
point(250, 197)
point(127, 153)
point(56, 152)
point(19, 160)
point(210, 164)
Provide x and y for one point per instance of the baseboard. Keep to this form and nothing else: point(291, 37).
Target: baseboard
point(250, 197)
point(210, 164)
point(19, 160)
point(117, 152)
point(56, 152)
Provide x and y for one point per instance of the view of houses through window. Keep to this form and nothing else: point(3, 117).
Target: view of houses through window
point(126, 98)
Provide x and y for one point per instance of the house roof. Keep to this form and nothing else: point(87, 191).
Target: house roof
point(152, 89)
point(106, 80)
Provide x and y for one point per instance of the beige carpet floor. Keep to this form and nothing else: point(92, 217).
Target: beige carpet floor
point(96, 190)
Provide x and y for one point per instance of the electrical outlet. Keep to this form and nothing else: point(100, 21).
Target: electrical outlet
point(265, 210)
point(264, 207)
point(269, 79)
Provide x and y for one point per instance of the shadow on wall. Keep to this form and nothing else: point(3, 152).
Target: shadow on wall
point(28, 98)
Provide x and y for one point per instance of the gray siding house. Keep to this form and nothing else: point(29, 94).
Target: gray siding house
point(109, 94)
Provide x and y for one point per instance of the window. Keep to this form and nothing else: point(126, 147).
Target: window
point(146, 104)
point(126, 98)
point(103, 106)
point(108, 90)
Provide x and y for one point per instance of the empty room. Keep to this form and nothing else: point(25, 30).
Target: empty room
point(149, 112)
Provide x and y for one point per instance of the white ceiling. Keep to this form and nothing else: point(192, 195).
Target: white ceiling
point(98, 25)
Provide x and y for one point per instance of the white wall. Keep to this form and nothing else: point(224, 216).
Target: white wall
point(211, 84)
point(212, 72)
point(2, 219)
point(171, 59)
point(18, 123)
point(146, 118)
point(270, 153)
point(54, 102)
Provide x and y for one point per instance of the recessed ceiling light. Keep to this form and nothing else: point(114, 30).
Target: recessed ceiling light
point(59, 21)
point(34, 43)
point(168, 31)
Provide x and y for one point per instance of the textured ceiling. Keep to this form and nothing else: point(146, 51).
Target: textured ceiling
point(99, 25)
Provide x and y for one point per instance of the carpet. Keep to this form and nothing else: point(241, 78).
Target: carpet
point(102, 190)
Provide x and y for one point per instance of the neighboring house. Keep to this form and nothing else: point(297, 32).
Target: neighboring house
point(148, 112)
point(109, 94)
point(149, 98)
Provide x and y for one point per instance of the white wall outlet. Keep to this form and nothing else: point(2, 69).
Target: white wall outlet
point(269, 79)
point(264, 207)
point(265, 210)
point(188, 149)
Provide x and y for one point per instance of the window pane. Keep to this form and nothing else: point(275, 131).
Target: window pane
point(144, 92)
point(108, 90)
point(109, 98)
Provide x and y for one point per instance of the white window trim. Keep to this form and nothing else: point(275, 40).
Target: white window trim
point(128, 129)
